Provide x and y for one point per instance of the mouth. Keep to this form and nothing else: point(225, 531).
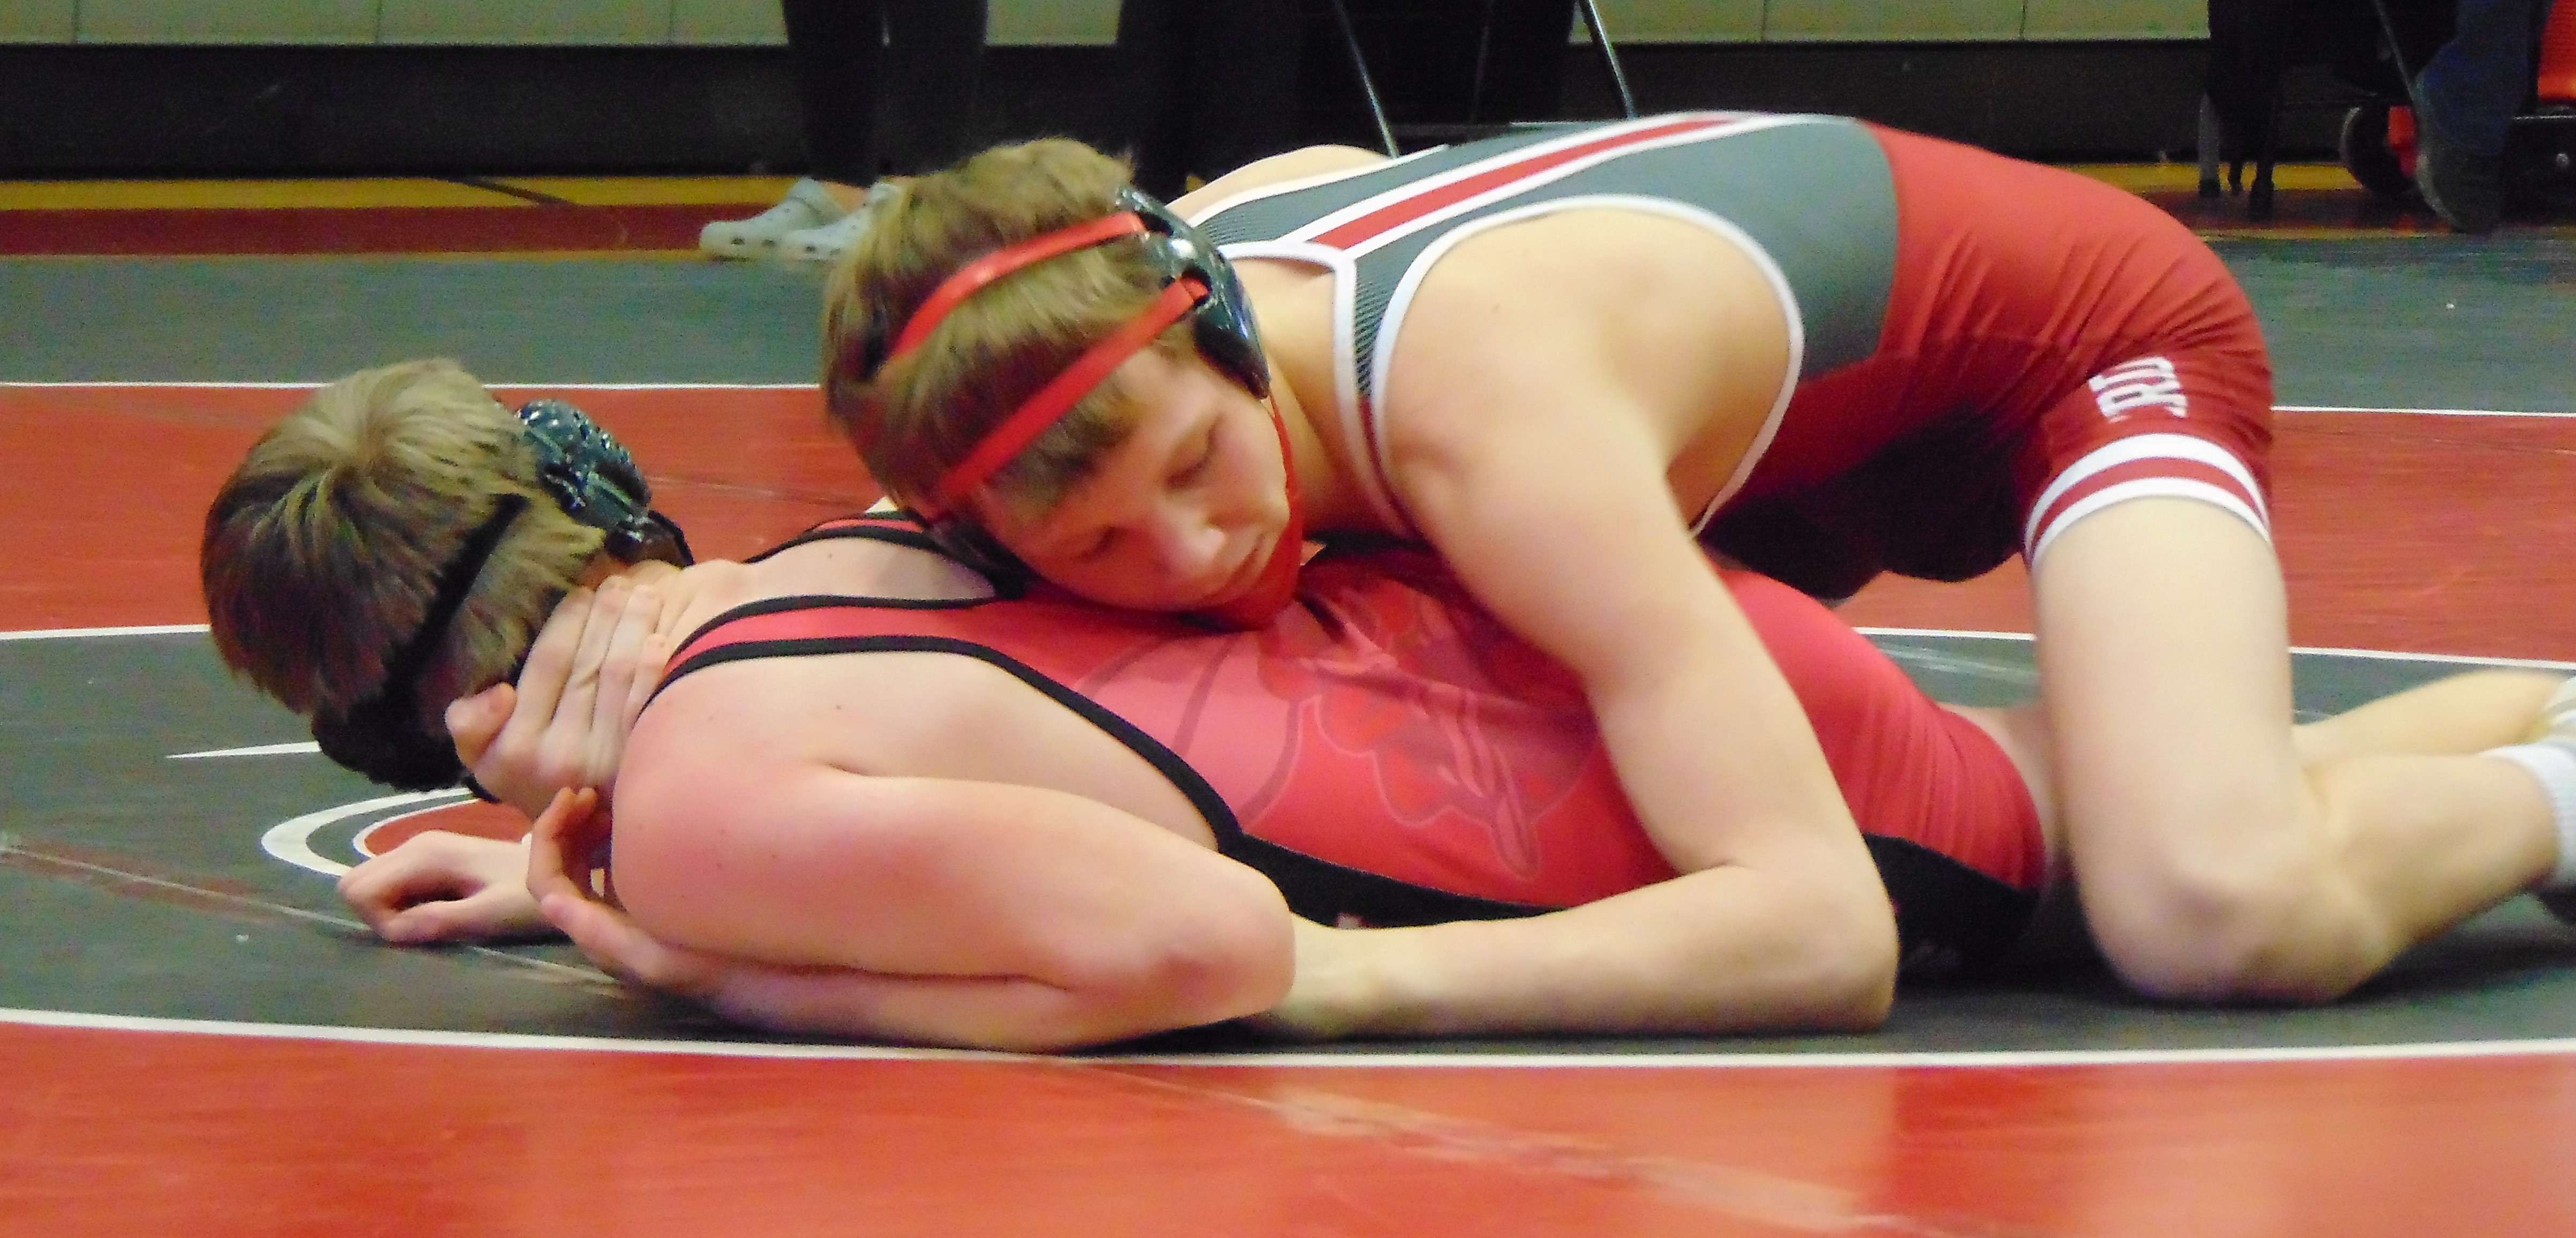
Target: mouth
point(1241, 579)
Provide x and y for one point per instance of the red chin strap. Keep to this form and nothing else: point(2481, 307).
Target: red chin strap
point(1277, 585)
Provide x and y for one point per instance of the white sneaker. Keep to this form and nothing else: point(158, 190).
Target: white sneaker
point(807, 205)
point(827, 242)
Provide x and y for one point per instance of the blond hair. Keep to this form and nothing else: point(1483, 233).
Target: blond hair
point(324, 549)
point(914, 417)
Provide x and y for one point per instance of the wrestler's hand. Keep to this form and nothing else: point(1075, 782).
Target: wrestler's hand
point(564, 723)
point(835, 1001)
point(611, 940)
point(569, 842)
point(441, 887)
point(568, 850)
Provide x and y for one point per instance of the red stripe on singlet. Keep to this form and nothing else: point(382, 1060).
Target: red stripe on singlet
point(1405, 210)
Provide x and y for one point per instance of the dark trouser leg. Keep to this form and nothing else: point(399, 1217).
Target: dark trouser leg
point(1242, 103)
point(835, 46)
point(1210, 85)
point(938, 49)
point(1524, 60)
point(1153, 51)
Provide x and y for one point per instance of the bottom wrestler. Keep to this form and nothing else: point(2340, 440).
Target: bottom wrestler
point(879, 794)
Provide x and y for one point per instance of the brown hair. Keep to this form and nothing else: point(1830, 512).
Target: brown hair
point(914, 417)
point(324, 548)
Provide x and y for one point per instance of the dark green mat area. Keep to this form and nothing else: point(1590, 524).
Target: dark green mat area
point(137, 885)
point(2418, 322)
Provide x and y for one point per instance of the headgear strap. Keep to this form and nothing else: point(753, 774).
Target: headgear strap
point(971, 278)
point(1048, 404)
point(1199, 281)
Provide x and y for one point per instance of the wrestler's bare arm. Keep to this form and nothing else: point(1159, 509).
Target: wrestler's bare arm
point(1030, 917)
point(1528, 459)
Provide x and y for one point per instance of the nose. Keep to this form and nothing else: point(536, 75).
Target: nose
point(1187, 541)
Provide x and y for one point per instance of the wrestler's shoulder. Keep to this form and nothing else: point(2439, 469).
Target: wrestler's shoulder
point(1289, 166)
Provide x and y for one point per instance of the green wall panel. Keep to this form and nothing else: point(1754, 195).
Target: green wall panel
point(1874, 20)
point(1678, 21)
point(1023, 22)
point(227, 21)
point(557, 22)
point(38, 21)
point(727, 22)
point(2117, 19)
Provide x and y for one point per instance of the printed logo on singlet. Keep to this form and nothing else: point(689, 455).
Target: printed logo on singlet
point(2148, 383)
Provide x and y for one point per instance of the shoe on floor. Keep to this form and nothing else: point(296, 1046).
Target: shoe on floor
point(2467, 192)
point(807, 205)
point(827, 242)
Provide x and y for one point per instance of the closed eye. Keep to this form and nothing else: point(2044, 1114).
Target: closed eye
point(1199, 465)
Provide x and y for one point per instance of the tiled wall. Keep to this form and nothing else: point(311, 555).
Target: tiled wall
point(719, 22)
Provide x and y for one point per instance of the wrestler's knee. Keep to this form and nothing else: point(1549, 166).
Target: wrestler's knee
point(2272, 920)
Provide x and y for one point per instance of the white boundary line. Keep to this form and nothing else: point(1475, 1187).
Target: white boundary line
point(165, 629)
point(255, 750)
point(218, 385)
point(214, 384)
point(2329, 651)
point(2417, 412)
point(2332, 651)
point(1995, 1060)
point(292, 840)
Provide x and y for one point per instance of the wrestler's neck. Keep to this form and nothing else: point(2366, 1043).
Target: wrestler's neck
point(1303, 389)
point(849, 566)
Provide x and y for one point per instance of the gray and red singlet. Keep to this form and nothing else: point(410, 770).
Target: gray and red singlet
point(1386, 753)
point(1983, 350)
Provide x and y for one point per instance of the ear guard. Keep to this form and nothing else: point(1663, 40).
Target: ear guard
point(592, 477)
point(1222, 324)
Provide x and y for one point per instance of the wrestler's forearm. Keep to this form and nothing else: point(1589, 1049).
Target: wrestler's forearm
point(1013, 1013)
point(1718, 951)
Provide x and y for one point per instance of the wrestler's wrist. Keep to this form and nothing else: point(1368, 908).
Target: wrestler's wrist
point(1341, 989)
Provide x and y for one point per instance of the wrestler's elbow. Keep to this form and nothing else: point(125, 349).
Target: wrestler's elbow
point(1850, 962)
point(1227, 953)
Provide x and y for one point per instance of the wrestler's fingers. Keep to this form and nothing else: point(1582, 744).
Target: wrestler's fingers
point(473, 722)
point(493, 913)
point(622, 667)
point(550, 868)
point(655, 657)
point(541, 677)
point(610, 939)
point(581, 677)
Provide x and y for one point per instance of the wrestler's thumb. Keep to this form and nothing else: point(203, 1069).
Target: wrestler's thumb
point(474, 721)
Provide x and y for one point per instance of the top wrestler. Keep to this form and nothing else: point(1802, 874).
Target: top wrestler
point(1825, 347)
point(1055, 829)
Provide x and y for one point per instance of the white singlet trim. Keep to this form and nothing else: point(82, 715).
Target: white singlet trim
point(2138, 447)
point(1258, 192)
point(1346, 379)
point(1392, 321)
point(1538, 179)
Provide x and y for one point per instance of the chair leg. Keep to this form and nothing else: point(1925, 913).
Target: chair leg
point(1609, 58)
point(1368, 84)
point(2258, 200)
point(2209, 139)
